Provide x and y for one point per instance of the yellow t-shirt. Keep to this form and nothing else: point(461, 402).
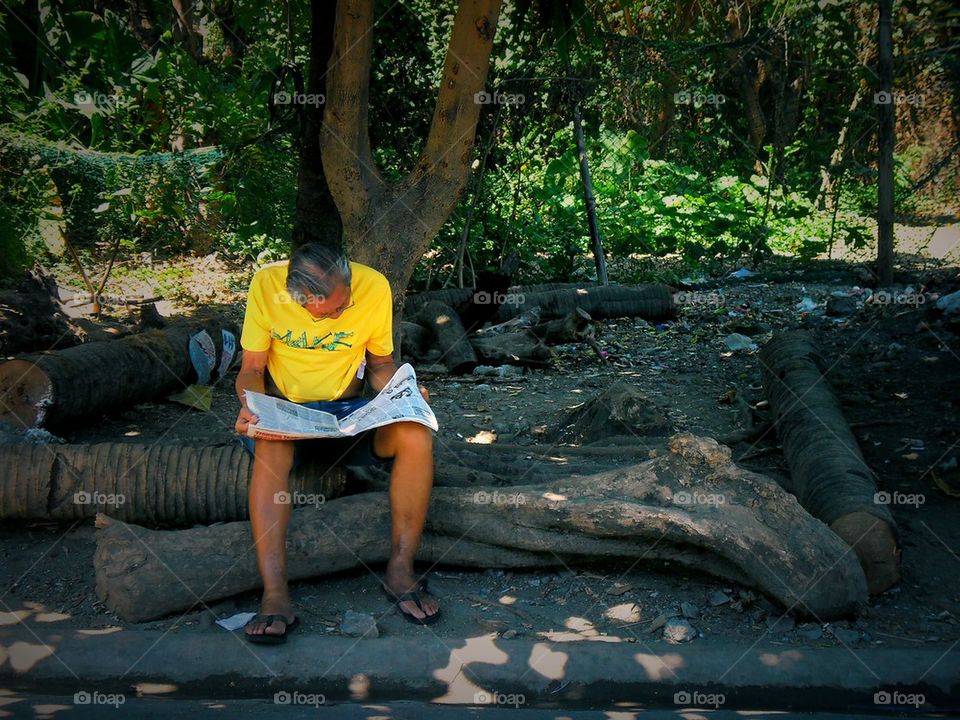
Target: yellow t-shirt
point(316, 359)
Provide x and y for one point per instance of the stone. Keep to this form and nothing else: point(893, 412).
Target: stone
point(356, 624)
point(678, 630)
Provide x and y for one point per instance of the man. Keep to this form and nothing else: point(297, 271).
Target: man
point(315, 328)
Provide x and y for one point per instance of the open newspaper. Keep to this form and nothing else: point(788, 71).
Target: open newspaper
point(399, 401)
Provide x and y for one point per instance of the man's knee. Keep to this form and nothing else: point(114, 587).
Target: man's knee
point(402, 438)
point(274, 459)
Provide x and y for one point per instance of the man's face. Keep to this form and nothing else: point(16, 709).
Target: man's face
point(331, 306)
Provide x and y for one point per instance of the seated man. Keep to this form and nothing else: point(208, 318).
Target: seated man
point(314, 328)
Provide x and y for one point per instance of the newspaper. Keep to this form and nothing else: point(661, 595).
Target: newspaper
point(399, 401)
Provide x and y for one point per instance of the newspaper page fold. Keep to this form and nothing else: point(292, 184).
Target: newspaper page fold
point(399, 401)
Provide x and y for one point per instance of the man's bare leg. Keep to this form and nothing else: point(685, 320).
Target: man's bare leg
point(268, 520)
point(411, 447)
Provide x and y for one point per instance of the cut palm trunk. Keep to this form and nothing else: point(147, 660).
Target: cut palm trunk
point(449, 336)
point(827, 471)
point(519, 348)
point(52, 389)
point(174, 485)
point(692, 507)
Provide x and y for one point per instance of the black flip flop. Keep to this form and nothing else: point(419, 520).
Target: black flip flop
point(414, 596)
point(266, 638)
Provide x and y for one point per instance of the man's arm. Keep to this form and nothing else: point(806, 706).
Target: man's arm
point(250, 377)
point(380, 368)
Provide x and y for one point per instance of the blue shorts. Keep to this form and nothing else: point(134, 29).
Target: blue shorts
point(356, 450)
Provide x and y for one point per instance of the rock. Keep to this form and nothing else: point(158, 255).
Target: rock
point(846, 636)
point(356, 624)
point(810, 631)
point(841, 305)
point(677, 630)
point(507, 634)
point(780, 624)
point(718, 598)
point(689, 610)
point(482, 387)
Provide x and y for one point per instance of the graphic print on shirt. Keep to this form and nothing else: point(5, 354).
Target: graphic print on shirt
point(331, 341)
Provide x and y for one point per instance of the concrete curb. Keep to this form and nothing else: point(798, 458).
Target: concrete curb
point(477, 670)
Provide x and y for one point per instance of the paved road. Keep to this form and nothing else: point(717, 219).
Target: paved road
point(62, 708)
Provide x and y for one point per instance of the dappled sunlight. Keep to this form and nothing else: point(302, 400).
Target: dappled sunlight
point(625, 612)
point(148, 688)
point(577, 629)
point(12, 618)
point(460, 689)
point(550, 663)
point(24, 655)
point(359, 687)
point(786, 660)
point(660, 667)
point(7, 698)
point(100, 631)
point(51, 617)
point(484, 437)
point(507, 600)
point(49, 711)
point(553, 497)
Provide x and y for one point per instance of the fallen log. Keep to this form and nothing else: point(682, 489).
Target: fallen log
point(692, 507)
point(827, 471)
point(170, 485)
point(575, 327)
point(449, 336)
point(651, 302)
point(519, 348)
point(556, 300)
point(51, 389)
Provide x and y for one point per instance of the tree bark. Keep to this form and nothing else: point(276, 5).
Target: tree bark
point(596, 239)
point(389, 225)
point(827, 471)
point(754, 533)
point(52, 389)
point(317, 218)
point(449, 336)
point(885, 142)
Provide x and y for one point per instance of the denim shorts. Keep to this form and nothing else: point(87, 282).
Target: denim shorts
point(356, 450)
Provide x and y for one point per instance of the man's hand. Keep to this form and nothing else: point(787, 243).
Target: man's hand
point(245, 419)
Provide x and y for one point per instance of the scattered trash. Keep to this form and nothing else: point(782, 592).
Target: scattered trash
point(806, 305)
point(235, 622)
point(228, 353)
point(950, 304)
point(689, 610)
point(810, 631)
point(781, 624)
point(736, 341)
point(499, 371)
point(742, 273)
point(198, 397)
point(202, 355)
point(718, 598)
point(841, 305)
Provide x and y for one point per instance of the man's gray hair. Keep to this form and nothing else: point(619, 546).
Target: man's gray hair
point(316, 269)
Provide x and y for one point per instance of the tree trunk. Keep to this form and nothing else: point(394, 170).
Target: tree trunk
point(692, 507)
point(885, 142)
point(173, 485)
point(389, 225)
point(317, 218)
point(747, 80)
point(827, 471)
point(596, 240)
point(449, 336)
point(54, 388)
point(519, 348)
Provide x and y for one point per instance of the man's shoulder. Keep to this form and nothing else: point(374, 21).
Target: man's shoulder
point(271, 275)
point(368, 275)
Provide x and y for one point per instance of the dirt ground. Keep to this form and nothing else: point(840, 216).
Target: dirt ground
point(895, 366)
